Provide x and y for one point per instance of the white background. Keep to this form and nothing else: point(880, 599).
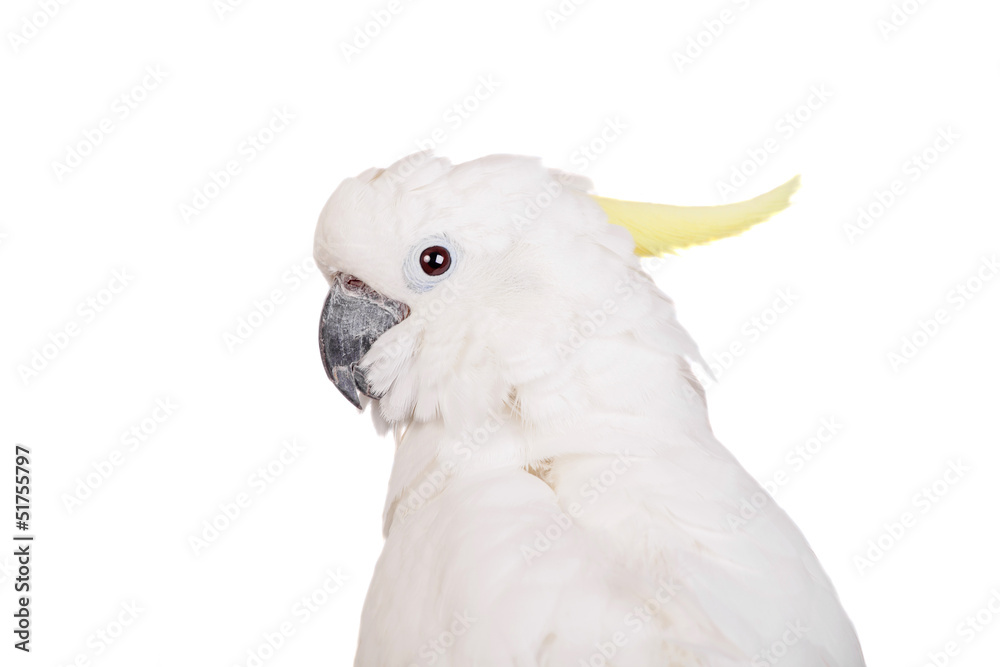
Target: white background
point(684, 128)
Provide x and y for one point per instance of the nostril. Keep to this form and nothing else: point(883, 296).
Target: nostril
point(354, 283)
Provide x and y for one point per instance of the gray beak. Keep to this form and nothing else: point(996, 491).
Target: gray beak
point(353, 318)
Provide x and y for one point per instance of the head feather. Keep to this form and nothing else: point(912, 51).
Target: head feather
point(661, 228)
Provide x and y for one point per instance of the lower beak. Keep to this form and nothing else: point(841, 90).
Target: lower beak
point(353, 318)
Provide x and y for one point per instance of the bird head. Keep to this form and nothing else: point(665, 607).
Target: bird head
point(454, 286)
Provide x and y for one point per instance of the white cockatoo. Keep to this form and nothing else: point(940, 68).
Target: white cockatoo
point(557, 496)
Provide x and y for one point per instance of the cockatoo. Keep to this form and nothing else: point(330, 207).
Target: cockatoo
point(557, 496)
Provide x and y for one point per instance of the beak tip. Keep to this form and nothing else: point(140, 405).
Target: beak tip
point(343, 379)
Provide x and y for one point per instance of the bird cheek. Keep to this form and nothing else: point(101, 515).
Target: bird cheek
point(388, 357)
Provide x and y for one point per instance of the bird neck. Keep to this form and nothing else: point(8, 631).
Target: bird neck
point(623, 384)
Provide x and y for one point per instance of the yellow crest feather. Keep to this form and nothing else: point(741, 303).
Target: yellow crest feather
point(662, 228)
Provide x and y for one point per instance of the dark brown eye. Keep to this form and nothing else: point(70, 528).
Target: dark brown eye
point(435, 260)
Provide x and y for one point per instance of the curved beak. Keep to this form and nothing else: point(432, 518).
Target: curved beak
point(354, 316)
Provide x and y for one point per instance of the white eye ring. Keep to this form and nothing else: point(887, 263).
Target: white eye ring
point(416, 279)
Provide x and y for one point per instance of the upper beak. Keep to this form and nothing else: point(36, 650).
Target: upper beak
point(353, 318)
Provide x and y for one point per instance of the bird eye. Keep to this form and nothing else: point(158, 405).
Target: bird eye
point(430, 262)
point(435, 260)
